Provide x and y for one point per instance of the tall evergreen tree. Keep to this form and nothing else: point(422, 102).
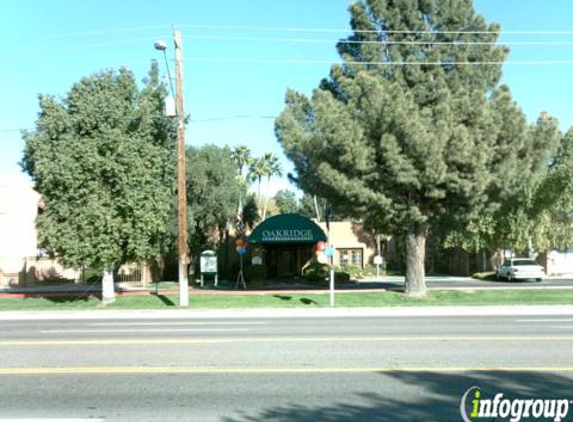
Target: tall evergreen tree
point(412, 131)
point(103, 160)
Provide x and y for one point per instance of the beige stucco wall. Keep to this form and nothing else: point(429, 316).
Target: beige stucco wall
point(18, 211)
point(350, 235)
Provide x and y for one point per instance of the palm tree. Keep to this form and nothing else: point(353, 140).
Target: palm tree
point(257, 170)
point(241, 156)
point(272, 168)
point(250, 212)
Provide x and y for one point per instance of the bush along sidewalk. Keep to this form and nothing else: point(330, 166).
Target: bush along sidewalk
point(320, 273)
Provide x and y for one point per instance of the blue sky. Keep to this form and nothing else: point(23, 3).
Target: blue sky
point(50, 45)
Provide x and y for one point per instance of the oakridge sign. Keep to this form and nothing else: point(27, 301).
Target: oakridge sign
point(287, 235)
point(287, 228)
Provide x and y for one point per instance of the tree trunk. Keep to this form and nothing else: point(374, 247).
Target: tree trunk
point(146, 272)
point(415, 257)
point(259, 202)
point(316, 208)
point(496, 259)
point(107, 287)
point(266, 199)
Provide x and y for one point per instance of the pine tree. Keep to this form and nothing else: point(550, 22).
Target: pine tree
point(412, 131)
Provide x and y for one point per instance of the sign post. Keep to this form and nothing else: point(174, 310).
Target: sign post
point(378, 261)
point(241, 248)
point(209, 266)
point(378, 258)
point(329, 252)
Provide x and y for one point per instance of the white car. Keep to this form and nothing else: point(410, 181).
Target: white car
point(520, 269)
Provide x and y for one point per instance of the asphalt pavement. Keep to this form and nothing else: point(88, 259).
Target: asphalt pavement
point(391, 282)
point(197, 368)
point(451, 282)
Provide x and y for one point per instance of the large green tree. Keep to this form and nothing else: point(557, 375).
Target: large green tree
point(412, 131)
point(103, 160)
point(213, 191)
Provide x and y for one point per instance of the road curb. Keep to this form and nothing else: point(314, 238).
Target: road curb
point(391, 312)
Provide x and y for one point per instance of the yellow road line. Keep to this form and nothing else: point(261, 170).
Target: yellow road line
point(118, 370)
point(151, 342)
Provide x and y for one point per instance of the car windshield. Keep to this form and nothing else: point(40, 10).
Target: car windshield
point(522, 262)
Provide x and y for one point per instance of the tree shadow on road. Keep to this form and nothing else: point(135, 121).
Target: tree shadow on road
point(420, 396)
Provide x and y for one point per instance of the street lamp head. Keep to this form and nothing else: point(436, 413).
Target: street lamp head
point(160, 45)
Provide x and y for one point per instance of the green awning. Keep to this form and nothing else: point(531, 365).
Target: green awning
point(287, 228)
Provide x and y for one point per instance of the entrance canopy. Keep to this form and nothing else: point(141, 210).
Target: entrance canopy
point(287, 228)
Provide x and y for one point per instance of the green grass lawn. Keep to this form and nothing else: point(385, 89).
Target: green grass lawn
point(310, 300)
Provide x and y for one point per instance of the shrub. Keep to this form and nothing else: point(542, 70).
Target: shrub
point(321, 272)
point(255, 273)
point(485, 276)
point(341, 277)
point(356, 271)
point(317, 272)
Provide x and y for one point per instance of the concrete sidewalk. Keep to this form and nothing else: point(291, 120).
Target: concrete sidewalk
point(388, 312)
point(394, 283)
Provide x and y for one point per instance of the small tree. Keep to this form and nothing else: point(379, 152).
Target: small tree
point(212, 194)
point(103, 160)
point(286, 201)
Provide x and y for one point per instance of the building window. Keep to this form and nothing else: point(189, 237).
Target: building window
point(350, 257)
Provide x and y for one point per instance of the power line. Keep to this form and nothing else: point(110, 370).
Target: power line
point(95, 32)
point(389, 42)
point(283, 29)
point(84, 47)
point(366, 31)
point(389, 63)
point(238, 116)
point(85, 68)
point(202, 120)
point(295, 40)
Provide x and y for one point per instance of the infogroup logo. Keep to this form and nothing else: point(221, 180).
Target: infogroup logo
point(512, 409)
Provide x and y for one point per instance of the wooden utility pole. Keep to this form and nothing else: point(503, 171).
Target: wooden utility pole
point(181, 178)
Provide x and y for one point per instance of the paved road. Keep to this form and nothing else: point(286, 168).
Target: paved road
point(388, 282)
point(441, 282)
point(278, 369)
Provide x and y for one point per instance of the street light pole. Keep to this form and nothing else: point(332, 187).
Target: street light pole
point(181, 177)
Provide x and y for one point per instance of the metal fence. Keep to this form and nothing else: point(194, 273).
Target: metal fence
point(29, 271)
